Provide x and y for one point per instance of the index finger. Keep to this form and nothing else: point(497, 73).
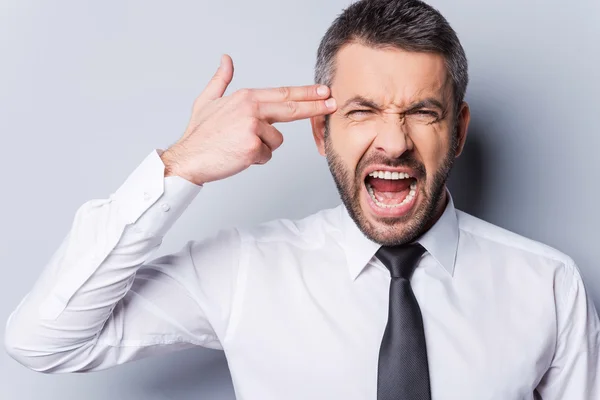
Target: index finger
point(291, 93)
point(288, 111)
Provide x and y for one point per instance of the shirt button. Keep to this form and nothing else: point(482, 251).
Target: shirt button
point(165, 207)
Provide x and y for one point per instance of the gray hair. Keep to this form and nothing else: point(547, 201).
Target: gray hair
point(410, 25)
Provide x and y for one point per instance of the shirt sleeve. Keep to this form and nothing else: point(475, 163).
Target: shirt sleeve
point(99, 302)
point(575, 370)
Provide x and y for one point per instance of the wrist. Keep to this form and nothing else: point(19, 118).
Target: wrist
point(173, 167)
point(168, 163)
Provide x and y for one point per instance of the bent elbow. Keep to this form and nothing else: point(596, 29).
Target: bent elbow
point(26, 352)
point(20, 353)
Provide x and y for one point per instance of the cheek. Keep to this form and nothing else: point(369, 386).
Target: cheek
point(351, 140)
point(432, 146)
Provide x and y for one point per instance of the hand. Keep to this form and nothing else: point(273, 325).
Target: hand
point(226, 135)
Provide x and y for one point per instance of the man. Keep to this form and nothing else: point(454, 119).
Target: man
point(392, 295)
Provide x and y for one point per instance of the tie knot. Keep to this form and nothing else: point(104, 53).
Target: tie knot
point(400, 260)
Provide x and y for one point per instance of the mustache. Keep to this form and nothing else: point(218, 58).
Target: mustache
point(407, 160)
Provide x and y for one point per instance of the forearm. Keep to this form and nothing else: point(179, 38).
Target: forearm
point(42, 342)
point(94, 267)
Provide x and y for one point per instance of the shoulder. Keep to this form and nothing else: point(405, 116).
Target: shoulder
point(507, 241)
point(307, 231)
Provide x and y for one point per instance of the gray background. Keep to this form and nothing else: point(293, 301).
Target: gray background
point(88, 88)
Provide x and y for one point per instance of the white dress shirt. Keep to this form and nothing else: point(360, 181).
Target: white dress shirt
point(300, 307)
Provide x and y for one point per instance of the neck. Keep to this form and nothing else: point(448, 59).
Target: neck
point(439, 209)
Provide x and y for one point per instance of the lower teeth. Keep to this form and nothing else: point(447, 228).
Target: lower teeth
point(408, 199)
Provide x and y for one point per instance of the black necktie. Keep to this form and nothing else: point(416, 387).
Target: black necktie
point(403, 372)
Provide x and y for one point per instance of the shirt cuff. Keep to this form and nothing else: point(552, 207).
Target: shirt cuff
point(151, 202)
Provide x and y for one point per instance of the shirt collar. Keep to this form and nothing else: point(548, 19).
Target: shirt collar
point(441, 241)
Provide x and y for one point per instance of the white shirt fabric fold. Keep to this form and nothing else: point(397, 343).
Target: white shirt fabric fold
point(299, 307)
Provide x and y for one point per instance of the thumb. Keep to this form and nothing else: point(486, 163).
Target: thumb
point(220, 80)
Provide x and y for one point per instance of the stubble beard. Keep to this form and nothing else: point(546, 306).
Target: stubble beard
point(389, 232)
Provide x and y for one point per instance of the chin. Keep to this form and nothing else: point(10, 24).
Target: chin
point(391, 226)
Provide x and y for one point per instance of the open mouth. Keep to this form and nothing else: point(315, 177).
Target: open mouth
point(391, 192)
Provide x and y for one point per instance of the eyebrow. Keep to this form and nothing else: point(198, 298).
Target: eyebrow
point(365, 102)
point(427, 103)
point(362, 101)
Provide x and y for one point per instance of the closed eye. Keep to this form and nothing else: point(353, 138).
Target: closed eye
point(358, 111)
point(425, 112)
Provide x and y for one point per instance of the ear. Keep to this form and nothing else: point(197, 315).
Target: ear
point(318, 129)
point(464, 117)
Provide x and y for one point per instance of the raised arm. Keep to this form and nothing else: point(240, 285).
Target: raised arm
point(99, 301)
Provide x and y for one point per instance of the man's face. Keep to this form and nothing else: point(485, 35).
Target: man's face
point(392, 140)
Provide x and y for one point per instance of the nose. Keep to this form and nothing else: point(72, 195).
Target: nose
point(392, 138)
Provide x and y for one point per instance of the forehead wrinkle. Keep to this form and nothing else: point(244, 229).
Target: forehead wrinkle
point(402, 95)
point(384, 84)
point(397, 96)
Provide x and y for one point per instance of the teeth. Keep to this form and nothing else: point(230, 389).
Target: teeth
point(407, 199)
point(389, 175)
